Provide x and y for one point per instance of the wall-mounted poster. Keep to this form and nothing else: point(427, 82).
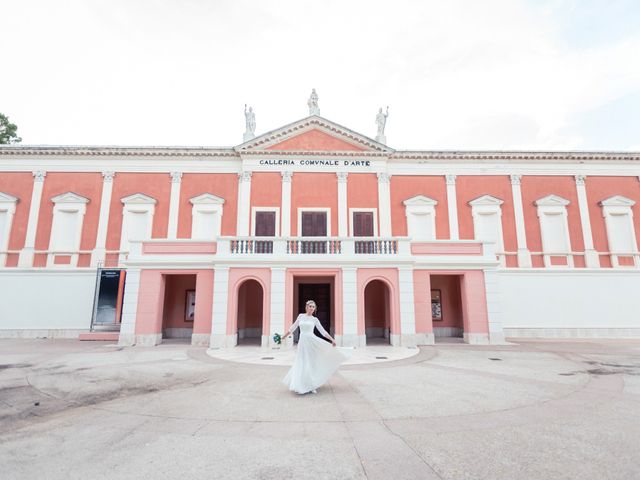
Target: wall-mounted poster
point(190, 306)
point(436, 305)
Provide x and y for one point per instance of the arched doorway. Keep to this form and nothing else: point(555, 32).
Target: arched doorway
point(249, 313)
point(377, 313)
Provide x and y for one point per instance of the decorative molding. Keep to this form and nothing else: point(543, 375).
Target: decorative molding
point(39, 175)
point(580, 179)
point(384, 177)
point(617, 201)
point(515, 179)
point(6, 198)
point(244, 176)
point(287, 176)
point(279, 135)
point(69, 197)
point(107, 177)
point(207, 198)
point(342, 177)
point(551, 201)
point(486, 200)
point(419, 201)
point(138, 198)
point(176, 177)
point(450, 179)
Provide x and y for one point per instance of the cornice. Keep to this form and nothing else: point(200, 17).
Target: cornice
point(118, 151)
point(567, 156)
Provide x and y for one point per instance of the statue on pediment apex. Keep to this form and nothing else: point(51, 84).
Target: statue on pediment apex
point(314, 109)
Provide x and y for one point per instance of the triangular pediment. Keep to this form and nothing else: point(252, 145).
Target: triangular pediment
point(486, 200)
point(207, 198)
point(138, 198)
point(420, 201)
point(69, 197)
point(551, 201)
point(617, 201)
point(6, 198)
point(312, 134)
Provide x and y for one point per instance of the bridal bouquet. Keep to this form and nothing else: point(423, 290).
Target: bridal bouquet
point(277, 338)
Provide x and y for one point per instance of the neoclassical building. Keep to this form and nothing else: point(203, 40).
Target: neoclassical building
point(222, 246)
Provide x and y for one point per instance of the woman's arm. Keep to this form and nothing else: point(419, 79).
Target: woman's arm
point(321, 329)
point(293, 327)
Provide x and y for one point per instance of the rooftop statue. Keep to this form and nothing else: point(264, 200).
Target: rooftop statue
point(314, 109)
point(250, 121)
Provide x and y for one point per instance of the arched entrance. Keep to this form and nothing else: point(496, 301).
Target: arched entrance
point(377, 313)
point(249, 312)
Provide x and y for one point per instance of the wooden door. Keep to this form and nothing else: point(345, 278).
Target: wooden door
point(321, 294)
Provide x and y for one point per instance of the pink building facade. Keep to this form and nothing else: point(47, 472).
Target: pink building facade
point(222, 246)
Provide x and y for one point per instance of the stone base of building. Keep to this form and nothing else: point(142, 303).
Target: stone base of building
point(425, 339)
point(200, 339)
point(223, 341)
point(572, 332)
point(41, 333)
point(476, 338)
point(146, 340)
point(403, 340)
point(350, 340)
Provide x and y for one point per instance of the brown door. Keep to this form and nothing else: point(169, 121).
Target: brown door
point(265, 227)
point(321, 294)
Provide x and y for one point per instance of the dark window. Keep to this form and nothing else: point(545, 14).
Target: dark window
point(363, 224)
point(314, 224)
point(265, 224)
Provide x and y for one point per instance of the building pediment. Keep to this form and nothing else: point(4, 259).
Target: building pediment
point(486, 200)
point(312, 134)
point(551, 201)
point(420, 201)
point(207, 199)
point(6, 198)
point(69, 197)
point(617, 201)
point(138, 198)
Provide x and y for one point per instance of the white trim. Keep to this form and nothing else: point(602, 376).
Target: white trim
point(136, 203)
point(548, 206)
point(7, 206)
point(265, 209)
point(619, 206)
point(174, 204)
point(375, 219)
point(99, 252)
point(26, 254)
point(206, 203)
point(487, 205)
point(420, 205)
point(452, 207)
point(313, 209)
point(591, 258)
point(66, 203)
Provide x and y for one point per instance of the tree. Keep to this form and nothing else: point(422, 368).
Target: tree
point(8, 131)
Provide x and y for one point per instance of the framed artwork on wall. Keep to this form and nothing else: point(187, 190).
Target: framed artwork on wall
point(436, 305)
point(190, 306)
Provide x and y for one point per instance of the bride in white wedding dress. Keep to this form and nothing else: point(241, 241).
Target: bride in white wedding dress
point(315, 360)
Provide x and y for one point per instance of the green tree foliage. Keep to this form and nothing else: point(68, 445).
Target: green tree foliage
point(8, 131)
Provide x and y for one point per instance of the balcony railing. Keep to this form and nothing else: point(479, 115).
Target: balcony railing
point(312, 245)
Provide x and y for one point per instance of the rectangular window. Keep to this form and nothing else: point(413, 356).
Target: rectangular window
point(266, 224)
point(421, 227)
point(64, 231)
point(554, 233)
point(621, 235)
point(314, 224)
point(205, 224)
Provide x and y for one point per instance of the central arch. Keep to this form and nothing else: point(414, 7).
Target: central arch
point(377, 313)
point(249, 312)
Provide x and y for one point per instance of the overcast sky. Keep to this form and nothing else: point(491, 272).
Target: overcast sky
point(467, 74)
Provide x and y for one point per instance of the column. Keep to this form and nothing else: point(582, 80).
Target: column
point(350, 337)
point(285, 207)
point(129, 308)
point(407, 309)
point(524, 257)
point(244, 202)
point(384, 203)
point(452, 207)
point(591, 258)
point(343, 213)
point(494, 308)
point(99, 252)
point(25, 259)
point(174, 204)
point(219, 308)
point(278, 295)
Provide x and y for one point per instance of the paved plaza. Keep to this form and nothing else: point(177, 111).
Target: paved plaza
point(532, 409)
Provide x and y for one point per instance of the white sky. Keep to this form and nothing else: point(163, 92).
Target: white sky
point(466, 74)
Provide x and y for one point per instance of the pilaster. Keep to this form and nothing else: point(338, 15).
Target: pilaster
point(244, 204)
point(99, 252)
point(25, 259)
point(285, 206)
point(452, 207)
point(524, 256)
point(174, 204)
point(384, 203)
point(590, 255)
point(343, 227)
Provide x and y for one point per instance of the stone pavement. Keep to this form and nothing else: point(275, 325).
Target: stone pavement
point(529, 410)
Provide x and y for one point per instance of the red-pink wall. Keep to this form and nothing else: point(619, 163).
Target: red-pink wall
point(601, 188)
point(376, 304)
point(536, 187)
point(88, 185)
point(224, 185)
point(266, 190)
point(175, 290)
point(156, 185)
point(405, 187)
point(314, 190)
point(19, 185)
point(314, 140)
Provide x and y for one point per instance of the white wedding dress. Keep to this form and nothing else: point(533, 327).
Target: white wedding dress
point(316, 360)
